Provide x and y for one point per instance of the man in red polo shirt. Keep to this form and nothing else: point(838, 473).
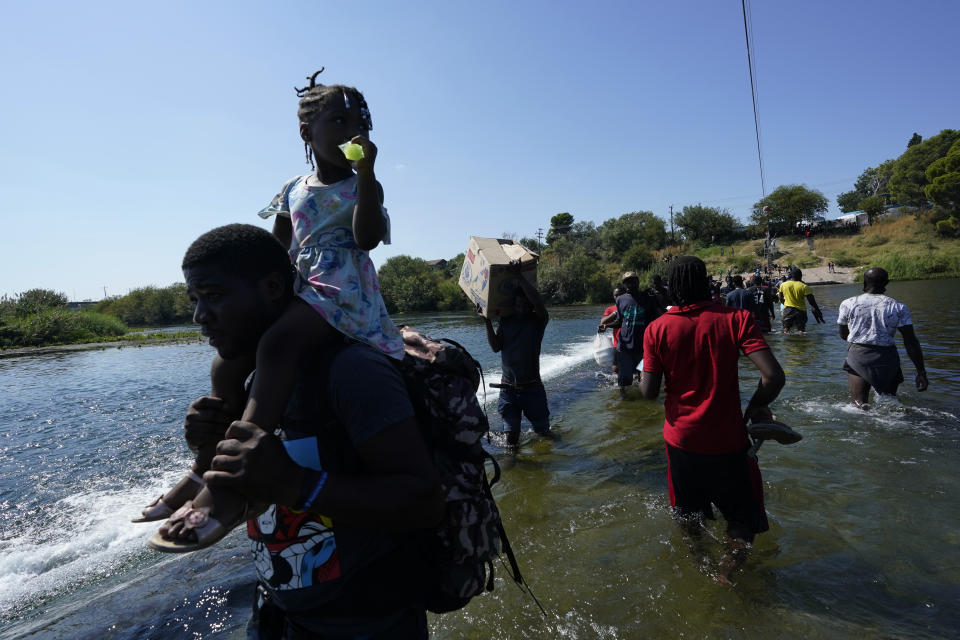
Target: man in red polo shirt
point(696, 345)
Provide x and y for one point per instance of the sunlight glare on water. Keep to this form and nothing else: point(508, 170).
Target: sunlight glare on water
point(863, 540)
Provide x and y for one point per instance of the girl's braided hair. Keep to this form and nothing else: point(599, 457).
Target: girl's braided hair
point(688, 280)
point(314, 96)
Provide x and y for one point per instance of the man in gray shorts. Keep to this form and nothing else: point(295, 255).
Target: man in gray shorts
point(869, 322)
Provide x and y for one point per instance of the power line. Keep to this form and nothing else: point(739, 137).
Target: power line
point(753, 95)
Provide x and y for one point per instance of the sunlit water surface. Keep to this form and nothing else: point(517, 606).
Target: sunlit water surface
point(864, 512)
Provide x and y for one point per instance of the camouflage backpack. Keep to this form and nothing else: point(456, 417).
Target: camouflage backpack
point(442, 380)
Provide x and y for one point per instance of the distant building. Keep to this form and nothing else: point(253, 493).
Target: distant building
point(79, 306)
point(437, 264)
point(862, 219)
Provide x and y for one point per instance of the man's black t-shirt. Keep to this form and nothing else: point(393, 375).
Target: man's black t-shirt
point(315, 568)
point(520, 353)
point(634, 316)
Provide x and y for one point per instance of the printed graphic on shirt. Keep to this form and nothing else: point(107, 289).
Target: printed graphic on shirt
point(294, 549)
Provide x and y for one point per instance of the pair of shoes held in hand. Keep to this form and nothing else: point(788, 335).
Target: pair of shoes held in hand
point(202, 530)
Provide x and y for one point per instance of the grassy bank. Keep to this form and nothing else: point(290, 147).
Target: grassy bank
point(909, 249)
point(129, 340)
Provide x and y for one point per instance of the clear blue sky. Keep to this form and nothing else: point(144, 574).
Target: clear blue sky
point(130, 128)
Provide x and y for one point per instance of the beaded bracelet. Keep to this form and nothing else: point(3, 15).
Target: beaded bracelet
point(316, 484)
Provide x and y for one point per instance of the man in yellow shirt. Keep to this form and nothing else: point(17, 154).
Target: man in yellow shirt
point(793, 294)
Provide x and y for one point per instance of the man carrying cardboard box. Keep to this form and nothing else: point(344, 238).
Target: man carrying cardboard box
point(517, 340)
point(489, 272)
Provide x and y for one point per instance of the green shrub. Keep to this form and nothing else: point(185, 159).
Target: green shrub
point(59, 326)
point(843, 259)
point(875, 240)
point(599, 289)
point(807, 262)
point(744, 263)
point(100, 325)
point(901, 267)
point(949, 228)
point(450, 297)
point(636, 258)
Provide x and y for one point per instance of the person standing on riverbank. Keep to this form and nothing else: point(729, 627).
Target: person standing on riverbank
point(794, 295)
point(869, 322)
point(517, 339)
point(350, 485)
point(634, 310)
point(696, 346)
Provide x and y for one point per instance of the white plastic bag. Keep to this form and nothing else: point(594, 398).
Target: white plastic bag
point(603, 351)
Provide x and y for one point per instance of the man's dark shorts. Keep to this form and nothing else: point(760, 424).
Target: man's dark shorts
point(793, 317)
point(627, 362)
point(879, 366)
point(731, 481)
point(529, 400)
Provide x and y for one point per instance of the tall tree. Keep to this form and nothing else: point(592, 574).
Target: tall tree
point(909, 176)
point(872, 182)
point(706, 224)
point(585, 234)
point(916, 138)
point(944, 178)
point(408, 284)
point(560, 225)
point(873, 206)
point(788, 205)
point(617, 235)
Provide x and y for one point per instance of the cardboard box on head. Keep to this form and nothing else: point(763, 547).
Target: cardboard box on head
point(487, 277)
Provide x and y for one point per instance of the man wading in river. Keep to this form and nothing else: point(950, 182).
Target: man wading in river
point(348, 479)
point(696, 346)
point(869, 322)
point(634, 310)
point(792, 294)
point(517, 340)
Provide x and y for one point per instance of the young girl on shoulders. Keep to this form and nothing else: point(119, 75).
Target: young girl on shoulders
point(329, 220)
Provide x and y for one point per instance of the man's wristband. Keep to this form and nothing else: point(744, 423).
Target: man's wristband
point(310, 488)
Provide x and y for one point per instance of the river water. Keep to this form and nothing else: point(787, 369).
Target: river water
point(864, 511)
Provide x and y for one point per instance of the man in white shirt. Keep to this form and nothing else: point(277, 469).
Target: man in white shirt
point(869, 322)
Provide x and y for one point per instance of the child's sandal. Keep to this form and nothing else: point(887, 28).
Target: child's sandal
point(160, 510)
point(206, 530)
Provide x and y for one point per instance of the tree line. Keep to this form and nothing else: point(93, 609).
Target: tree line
point(926, 173)
point(581, 261)
point(150, 306)
point(40, 317)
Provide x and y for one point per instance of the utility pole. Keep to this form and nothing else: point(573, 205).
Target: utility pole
point(104, 292)
point(673, 238)
point(539, 239)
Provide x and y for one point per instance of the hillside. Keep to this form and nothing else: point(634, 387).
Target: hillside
point(907, 248)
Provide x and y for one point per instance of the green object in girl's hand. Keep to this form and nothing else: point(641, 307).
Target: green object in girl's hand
point(352, 151)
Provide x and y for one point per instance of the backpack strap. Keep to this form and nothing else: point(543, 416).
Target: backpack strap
point(518, 578)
